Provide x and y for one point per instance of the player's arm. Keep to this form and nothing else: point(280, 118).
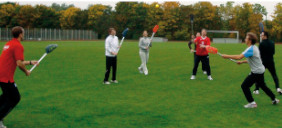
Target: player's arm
point(235, 57)
point(31, 62)
point(21, 65)
point(207, 44)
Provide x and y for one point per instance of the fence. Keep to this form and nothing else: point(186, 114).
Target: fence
point(50, 34)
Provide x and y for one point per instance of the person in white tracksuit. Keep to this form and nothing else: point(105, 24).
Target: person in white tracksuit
point(144, 45)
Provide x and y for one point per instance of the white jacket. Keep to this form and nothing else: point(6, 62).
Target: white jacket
point(111, 45)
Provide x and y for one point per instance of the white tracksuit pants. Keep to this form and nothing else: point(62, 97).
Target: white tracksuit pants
point(144, 55)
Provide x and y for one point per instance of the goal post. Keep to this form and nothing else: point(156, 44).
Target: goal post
point(225, 40)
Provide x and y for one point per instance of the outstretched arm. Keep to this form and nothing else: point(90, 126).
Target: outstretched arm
point(236, 57)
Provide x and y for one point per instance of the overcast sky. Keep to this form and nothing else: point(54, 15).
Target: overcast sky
point(83, 4)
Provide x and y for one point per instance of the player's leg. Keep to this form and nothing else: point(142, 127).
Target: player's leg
point(261, 83)
point(206, 62)
point(10, 98)
point(108, 70)
point(196, 64)
point(114, 65)
point(248, 82)
point(272, 70)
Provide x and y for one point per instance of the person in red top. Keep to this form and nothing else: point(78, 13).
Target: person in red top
point(12, 56)
point(202, 54)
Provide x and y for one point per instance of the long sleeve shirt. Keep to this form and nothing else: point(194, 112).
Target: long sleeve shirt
point(143, 43)
point(267, 50)
point(111, 45)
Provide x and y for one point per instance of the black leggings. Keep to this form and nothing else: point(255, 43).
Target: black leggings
point(110, 62)
point(250, 80)
point(9, 99)
point(203, 67)
point(271, 68)
point(205, 62)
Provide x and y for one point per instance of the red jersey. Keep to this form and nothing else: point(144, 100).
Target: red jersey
point(12, 51)
point(202, 41)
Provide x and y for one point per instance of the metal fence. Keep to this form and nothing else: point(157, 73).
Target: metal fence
point(50, 34)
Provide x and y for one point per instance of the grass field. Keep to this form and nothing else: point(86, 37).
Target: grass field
point(67, 90)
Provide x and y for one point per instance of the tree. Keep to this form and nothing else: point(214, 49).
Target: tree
point(7, 13)
point(61, 7)
point(67, 19)
point(26, 16)
point(44, 20)
point(277, 22)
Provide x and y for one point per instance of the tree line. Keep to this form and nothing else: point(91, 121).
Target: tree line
point(172, 17)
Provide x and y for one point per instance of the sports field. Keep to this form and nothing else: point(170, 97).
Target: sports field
point(66, 90)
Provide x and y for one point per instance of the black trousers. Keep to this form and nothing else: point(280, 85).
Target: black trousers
point(250, 80)
point(111, 62)
point(203, 68)
point(9, 99)
point(271, 68)
point(205, 62)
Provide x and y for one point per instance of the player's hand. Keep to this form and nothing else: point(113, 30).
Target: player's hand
point(202, 46)
point(27, 73)
point(240, 62)
point(119, 46)
point(192, 50)
point(114, 53)
point(34, 62)
point(147, 47)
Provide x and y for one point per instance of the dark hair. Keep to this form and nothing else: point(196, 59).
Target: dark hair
point(16, 31)
point(252, 37)
point(265, 34)
point(110, 30)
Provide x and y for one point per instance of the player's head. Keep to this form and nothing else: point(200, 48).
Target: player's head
point(112, 31)
point(198, 34)
point(264, 35)
point(145, 33)
point(18, 32)
point(204, 32)
point(251, 38)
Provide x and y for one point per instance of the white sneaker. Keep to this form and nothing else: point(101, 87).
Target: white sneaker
point(210, 78)
point(193, 77)
point(256, 92)
point(114, 81)
point(251, 105)
point(276, 101)
point(2, 125)
point(146, 73)
point(205, 72)
point(106, 82)
point(140, 70)
point(279, 91)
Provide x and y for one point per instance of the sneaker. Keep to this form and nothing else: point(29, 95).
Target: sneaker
point(114, 81)
point(251, 105)
point(106, 82)
point(140, 70)
point(276, 101)
point(146, 73)
point(205, 72)
point(210, 78)
point(193, 77)
point(279, 91)
point(256, 92)
point(2, 125)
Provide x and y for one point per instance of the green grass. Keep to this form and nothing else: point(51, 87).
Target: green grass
point(66, 90)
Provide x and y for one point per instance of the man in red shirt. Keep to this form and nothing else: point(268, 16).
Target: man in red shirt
point(202, 54)
point(11, 57)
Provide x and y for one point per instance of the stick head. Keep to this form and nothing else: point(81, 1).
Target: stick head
point(125, 32)
point(155, 29)
point(261, 28)
point(51, 48)
point(211, 49)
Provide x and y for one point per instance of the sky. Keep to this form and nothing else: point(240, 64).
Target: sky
point(83, 4)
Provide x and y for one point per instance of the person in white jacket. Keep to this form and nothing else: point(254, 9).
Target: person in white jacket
point(111, 49)
point(144, 44)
